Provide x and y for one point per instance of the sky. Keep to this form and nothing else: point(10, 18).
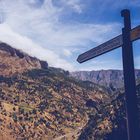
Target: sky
point(57, 31)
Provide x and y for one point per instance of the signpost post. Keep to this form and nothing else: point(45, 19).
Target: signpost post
point(125, 40)
point(129, 79)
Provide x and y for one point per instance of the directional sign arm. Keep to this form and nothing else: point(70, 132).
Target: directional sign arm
point(135, 33)
point(101, 49)
point(108, 46)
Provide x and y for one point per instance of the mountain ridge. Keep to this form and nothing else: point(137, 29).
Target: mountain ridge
point(15, 61)
point(113, 79)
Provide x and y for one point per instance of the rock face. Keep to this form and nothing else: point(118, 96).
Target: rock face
point(14, 61)
point(113, 79)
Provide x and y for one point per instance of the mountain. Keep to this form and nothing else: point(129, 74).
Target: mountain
point(113, 79)
point(15, 61)
point(44, 103)
point(41, 102)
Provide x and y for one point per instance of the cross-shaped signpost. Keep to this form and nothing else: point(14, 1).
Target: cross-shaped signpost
point(125, 40)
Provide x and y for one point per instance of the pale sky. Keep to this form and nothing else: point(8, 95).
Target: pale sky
point(59, 30)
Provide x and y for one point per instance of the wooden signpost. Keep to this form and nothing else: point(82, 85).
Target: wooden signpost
point(125, 41)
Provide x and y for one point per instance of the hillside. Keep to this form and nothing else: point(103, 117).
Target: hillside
point(39, 102)
point(112, 79)
point(112, 118)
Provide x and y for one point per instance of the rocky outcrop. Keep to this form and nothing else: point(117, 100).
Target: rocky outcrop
point(15, 61)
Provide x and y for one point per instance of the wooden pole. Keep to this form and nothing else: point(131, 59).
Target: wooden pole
point(129, 79)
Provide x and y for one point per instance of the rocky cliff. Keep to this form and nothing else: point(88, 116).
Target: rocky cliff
point(113, 79)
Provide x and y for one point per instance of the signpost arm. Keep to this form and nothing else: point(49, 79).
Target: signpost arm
point(129, 79)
